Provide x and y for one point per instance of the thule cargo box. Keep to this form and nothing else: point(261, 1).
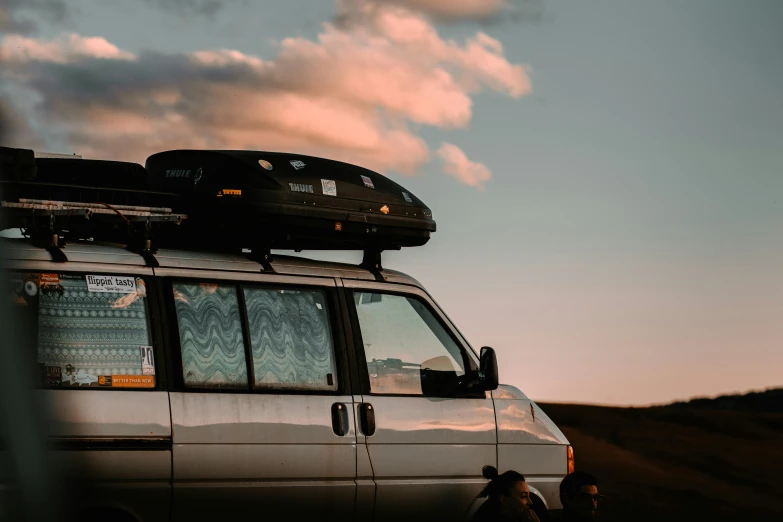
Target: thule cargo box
point(253, 199)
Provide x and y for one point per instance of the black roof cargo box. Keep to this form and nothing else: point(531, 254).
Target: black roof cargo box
point(257, 199)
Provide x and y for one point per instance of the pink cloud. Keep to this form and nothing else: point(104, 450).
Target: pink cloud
point(457, 164)
point(446, 9)
point(356, 93)
point(65, 48)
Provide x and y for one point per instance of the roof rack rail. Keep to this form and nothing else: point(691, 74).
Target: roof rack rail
point(49, 223)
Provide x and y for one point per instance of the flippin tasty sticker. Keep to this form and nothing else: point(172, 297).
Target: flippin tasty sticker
point(111, 284)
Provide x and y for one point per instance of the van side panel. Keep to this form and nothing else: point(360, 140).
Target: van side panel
point(108, 413)
point(242, 453)
point(121, 441)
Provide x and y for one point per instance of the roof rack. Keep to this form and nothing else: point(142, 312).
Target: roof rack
point(26, 207)
point(50, 223)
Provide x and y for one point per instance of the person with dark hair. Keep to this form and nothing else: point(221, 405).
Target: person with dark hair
point(508, 498)
point(579, 496)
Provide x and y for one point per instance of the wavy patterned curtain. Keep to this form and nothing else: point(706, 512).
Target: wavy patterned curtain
point(291, 339)
point(210, 333)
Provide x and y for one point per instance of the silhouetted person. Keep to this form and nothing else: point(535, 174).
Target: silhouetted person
point(579, 496)
point(508, 498)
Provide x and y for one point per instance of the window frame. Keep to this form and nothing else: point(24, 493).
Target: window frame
point(153, 313)
point(468, 355)
point(327, 286)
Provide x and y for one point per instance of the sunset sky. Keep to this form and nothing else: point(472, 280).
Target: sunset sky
point(607, 176)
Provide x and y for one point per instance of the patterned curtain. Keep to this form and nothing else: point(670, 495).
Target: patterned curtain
point(210, 333)
point(91, 334)
point(291, 339)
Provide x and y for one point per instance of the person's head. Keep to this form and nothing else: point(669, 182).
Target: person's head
point(579, 494)
point(508, 491)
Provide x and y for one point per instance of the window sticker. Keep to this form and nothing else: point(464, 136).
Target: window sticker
point(78, 377)
point(49, 279)
point(54, 375)
point(368, 182)
point(30, 288)
point(126, 381)
point(131, 381)
point(71, 376)
point(50, 284)
point(147, 361)
point(111, 284)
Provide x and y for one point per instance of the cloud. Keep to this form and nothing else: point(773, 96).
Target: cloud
point(53, 11)
point(207, 8)
point(454, 9)
point(67, 47)
point(15, 130)
point(357, 93)
point(450, 11)
point(457, 164)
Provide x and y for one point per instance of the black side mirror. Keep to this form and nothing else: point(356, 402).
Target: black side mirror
point(488, 369)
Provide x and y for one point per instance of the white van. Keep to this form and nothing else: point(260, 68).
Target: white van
point(209, 387)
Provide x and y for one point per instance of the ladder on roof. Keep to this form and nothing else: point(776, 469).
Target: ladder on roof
point(48, 222)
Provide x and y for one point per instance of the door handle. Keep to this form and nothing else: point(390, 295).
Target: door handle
point(339, 419)
point(367, 415)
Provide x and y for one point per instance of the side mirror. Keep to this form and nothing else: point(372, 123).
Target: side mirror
point(488, 369)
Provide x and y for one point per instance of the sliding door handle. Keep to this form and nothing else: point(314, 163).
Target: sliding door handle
point(339, 419)
point(367, 415)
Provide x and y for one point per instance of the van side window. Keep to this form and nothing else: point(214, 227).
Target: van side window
point(290, 339)
point(210, 335)
point(408, 351)
point(90, 330)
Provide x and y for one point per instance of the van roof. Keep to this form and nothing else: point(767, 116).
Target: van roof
point(17, 251)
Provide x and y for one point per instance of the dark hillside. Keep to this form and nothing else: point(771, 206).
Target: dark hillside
point(677, 462)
